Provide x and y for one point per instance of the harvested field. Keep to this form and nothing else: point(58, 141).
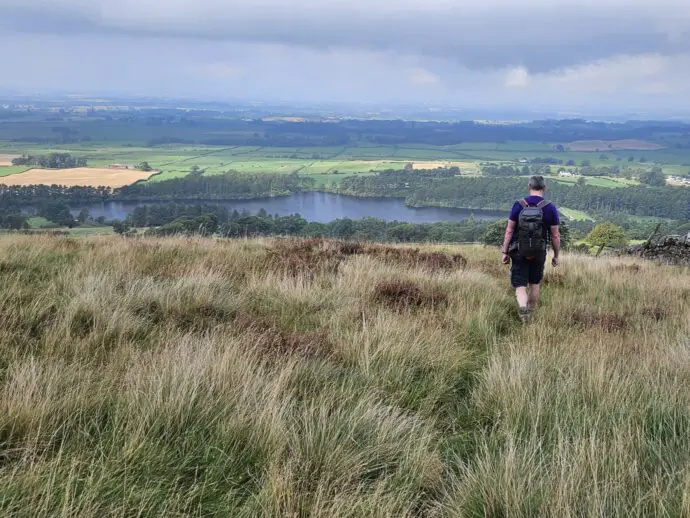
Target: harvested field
point(466, 167)
point(6, 160)
point(78, 176)
point(613, 145)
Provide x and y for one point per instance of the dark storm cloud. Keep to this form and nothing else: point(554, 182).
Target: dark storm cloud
point(540, 35)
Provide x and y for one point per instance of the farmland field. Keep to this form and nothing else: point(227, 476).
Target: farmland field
point(468, 167)
point(174, 161)
point(176, 142)
point(78, 176)
point(599, 181)
point(14, 169)
point(613, 145)
point(6, 160)
point(575, 215)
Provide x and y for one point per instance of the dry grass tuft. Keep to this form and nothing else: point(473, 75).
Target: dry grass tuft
point(279, 345)
point(275, 344)
point(402, 294)
point(491, 267)
point(608, 321)
point(194, 377)
point(413, 257)
point(318, 256)
point(656, 311)
point(305, 257)
point(554, 279)
point(627, 268)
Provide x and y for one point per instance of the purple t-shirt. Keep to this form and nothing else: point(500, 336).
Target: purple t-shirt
point(551, 217)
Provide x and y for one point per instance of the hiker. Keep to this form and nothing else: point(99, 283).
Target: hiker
point(532, 221)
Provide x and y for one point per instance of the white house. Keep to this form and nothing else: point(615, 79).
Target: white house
point(565, 173)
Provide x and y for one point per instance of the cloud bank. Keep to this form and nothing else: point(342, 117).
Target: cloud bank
point(531, 49)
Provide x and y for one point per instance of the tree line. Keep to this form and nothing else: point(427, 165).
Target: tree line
point(174, 218)
point(440, 187)
point(51, 161)
point(13, 220)
point(654, 177)
point(420, 189)
point(229, 186)
point(33, 195)
point(252, 129)
point(232, 185)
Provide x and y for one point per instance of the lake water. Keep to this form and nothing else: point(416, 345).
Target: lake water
point(320, 207)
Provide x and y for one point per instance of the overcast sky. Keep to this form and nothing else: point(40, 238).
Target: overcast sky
point(628, 55)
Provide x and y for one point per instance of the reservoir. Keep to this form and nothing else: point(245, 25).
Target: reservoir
point(316, 206)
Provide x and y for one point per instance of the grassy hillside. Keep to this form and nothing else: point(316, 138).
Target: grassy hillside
point(262, 378)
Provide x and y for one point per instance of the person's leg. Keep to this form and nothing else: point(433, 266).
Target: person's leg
point(533, 296)
point(522, 296)
point(519, 278)
point(536, 275)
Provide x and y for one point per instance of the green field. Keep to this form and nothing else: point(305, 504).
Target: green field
point(6, 171)
point(91, 231)
point(599, 181)
point(39, 222)
point(575, 215)
point(176, 161)
point(116, 142)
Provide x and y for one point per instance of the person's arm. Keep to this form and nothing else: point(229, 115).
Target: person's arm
point(555, 243)
point(555, 228)
point(510, 230)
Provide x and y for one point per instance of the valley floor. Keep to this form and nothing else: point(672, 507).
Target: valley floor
point(193, 377)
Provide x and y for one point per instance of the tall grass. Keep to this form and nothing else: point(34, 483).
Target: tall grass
point(200, 378)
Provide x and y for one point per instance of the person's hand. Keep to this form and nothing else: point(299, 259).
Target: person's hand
point(554, 261)
point(505, 259)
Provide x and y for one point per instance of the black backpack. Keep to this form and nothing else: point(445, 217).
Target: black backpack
point(531, 240)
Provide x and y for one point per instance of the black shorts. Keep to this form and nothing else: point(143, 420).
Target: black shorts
point(526, 271)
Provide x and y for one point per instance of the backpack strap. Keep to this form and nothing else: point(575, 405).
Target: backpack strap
point(523, 203)
point(543, 203)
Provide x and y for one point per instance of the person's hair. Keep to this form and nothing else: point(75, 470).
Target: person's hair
point(537, 183)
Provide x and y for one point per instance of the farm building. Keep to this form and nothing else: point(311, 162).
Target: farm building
point(680, 180)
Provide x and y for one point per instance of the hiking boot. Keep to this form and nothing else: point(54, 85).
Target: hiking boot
point(525, 315)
